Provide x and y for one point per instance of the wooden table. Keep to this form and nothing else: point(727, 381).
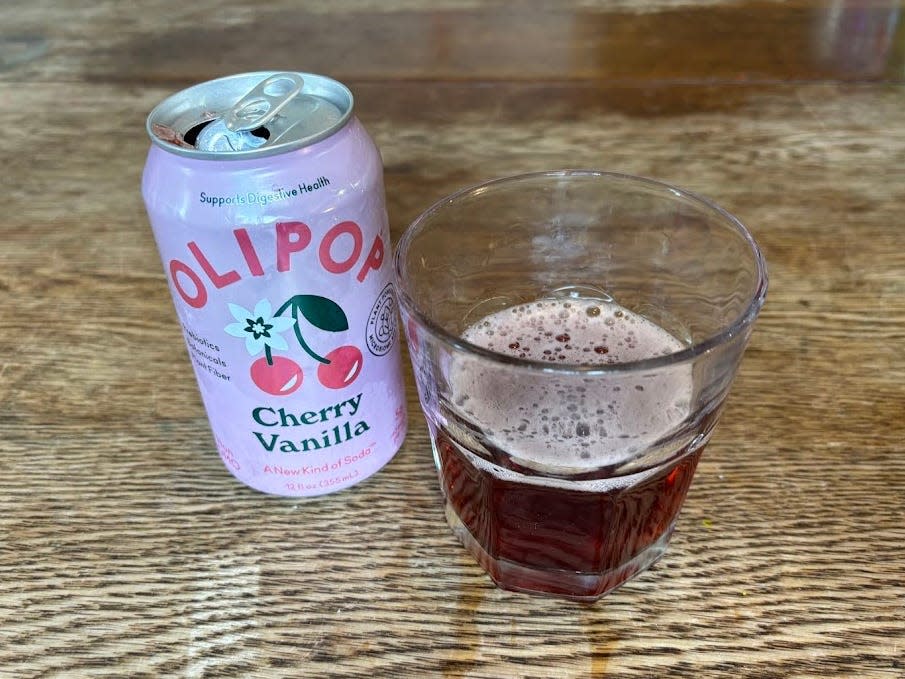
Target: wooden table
point(127, 549)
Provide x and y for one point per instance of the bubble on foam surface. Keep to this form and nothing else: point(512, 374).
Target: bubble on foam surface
point(574, 422)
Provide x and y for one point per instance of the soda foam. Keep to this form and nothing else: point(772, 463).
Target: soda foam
point(573, 422)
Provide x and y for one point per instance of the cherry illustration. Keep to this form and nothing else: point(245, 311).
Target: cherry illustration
point(279, 377)
point(344, 366)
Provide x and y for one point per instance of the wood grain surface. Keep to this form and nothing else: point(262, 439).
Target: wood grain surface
point(127, 549)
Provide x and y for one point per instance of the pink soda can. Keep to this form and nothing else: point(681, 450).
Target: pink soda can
point(265, 195)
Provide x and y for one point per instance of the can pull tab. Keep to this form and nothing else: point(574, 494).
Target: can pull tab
point(263, 102)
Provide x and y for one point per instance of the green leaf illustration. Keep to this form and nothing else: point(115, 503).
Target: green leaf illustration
point(322, 313)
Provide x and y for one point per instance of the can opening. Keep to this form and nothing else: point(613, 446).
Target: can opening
point(191, 136)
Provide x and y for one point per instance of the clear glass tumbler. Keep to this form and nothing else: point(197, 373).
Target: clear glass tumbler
point(574, 335)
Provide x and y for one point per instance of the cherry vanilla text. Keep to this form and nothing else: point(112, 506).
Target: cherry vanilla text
point(266, 416)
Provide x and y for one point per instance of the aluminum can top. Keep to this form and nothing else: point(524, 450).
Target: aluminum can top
point(250, 115)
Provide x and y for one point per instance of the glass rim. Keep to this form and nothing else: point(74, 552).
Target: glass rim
point(727, 330)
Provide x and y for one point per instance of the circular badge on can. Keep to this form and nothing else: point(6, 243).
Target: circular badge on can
point(382, 325)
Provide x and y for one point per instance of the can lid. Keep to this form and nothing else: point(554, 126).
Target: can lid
point(250, 115)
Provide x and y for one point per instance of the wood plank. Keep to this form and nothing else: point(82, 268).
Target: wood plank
point(645, 42)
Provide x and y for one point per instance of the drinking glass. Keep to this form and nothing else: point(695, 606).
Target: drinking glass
point(574, 335)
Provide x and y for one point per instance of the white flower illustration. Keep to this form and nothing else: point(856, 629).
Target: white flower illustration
point(259, 328)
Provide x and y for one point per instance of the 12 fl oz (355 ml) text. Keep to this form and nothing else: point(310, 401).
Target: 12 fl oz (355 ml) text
point(324, 483)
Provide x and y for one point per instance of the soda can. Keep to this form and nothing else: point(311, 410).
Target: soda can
point(265, 195)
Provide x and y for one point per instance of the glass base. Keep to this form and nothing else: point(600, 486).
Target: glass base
point(573, 585)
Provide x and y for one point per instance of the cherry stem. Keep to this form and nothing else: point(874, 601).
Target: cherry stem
point(268, 355)
point(291, 302)
point(288, 303)
point(302, 342)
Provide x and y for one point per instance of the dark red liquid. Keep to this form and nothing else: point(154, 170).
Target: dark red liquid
point(560, 541)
